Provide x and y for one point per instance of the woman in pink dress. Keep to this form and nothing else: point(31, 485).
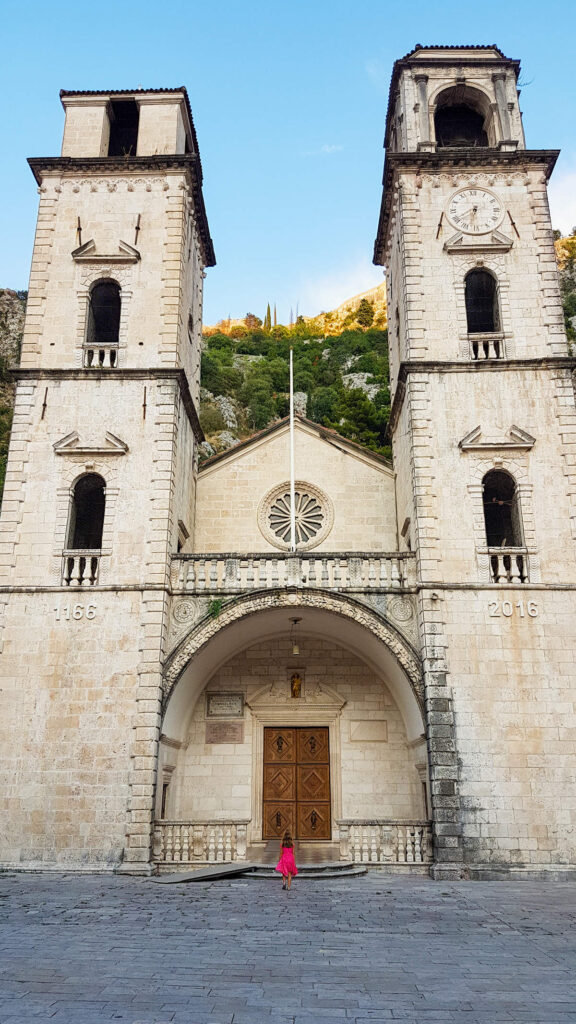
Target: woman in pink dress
point(287, 865)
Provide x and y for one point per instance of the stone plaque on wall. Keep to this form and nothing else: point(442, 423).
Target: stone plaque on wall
point(368, 731)
point(224, 705)
point(224, 732)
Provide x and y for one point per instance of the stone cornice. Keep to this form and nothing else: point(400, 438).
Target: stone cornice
point(461, 158)
point(433, 366)
point(127, 373)
point(188, 163)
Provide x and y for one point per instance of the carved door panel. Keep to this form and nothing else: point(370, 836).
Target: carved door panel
point(296, 783)
point(279, 745)
point(279, 782)
point(312, 746)
point(313, 821)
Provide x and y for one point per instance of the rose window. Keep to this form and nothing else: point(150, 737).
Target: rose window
point(313, 516)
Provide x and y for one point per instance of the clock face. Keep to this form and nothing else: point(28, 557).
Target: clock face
point(475, 211)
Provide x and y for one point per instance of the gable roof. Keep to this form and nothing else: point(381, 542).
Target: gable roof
point(324, 433)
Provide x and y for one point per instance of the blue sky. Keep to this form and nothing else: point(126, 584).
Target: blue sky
point(289, 101)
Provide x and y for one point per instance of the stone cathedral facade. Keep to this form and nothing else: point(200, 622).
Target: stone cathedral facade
point(177, 686)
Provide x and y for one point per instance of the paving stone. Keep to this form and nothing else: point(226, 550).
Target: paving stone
point(363, 951)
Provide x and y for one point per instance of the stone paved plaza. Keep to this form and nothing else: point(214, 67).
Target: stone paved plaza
point(88, 949)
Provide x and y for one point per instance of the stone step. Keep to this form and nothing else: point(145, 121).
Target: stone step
point(334, 869)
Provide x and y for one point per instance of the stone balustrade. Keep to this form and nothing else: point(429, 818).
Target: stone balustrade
point(100, 357)
point(201, 842)
point(235, 573)
point(508, 565)
point(486, 346)
point(80, 568)
point(386, 842)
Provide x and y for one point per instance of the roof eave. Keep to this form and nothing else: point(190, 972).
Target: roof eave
point(188, 162)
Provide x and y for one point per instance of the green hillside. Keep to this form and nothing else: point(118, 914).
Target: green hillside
point(341, 382)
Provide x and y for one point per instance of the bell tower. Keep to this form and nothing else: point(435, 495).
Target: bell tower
point(100, 478)
point(484, 437)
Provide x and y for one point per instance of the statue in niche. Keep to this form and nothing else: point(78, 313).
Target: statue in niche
point(296, 686)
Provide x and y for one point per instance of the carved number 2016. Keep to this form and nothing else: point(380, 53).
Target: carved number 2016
point(496, 608)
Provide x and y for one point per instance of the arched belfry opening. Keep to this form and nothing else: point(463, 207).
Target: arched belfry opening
point(501, 510)
point(461, 118)
point(103, 326)
point(86, 522)
point(481, 298)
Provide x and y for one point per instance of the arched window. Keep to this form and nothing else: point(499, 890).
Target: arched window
point(104, 314)
point(501, 510)
point(461, 117)
point(87, 514)
point(481, 297)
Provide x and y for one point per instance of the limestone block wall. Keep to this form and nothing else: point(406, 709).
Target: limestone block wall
point(360, 490)
point(496, 401)
point(67, 709)
point(434, 316)
point(159, 290)
point(514, 690)
point(376, 778)
point(34, 524)
point(86, 127)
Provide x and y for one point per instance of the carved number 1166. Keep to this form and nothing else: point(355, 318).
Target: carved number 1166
point(75, 611)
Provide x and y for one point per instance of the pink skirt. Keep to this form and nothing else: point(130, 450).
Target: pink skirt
point(286, 865)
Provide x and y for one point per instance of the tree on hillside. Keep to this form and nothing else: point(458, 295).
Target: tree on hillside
point(365, 313)
point(252, 321)
point(268, 319)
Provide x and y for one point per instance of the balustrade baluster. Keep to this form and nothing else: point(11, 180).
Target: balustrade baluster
point(219, 844)
point(201, 575)
point(168, 843)
point(371, 573)
point(199, 849)
point(228, 844)
point(417, 845)
point(214, 572)
point(211, 845)
point(365, 846)
point(325, 573)
point(409, 849)
point(383, 572)
point(177, 844)
point(353, 844)
point(401, 856)
point(250, 573)
point(373, 845)
point(312, 566)
point(394, 573)
point(185, 857)
point(188, 581)
point(335, 572)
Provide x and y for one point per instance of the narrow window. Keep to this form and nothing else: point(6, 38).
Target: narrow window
point(459, 125)
point(124, 116)
point(501, 510)
point(481, 297)
point(165, 787)
point(87, 514)
point(104, 314)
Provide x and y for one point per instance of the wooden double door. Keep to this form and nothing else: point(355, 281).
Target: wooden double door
point(297, 783)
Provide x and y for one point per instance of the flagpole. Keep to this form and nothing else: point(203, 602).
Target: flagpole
point(292, 482)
